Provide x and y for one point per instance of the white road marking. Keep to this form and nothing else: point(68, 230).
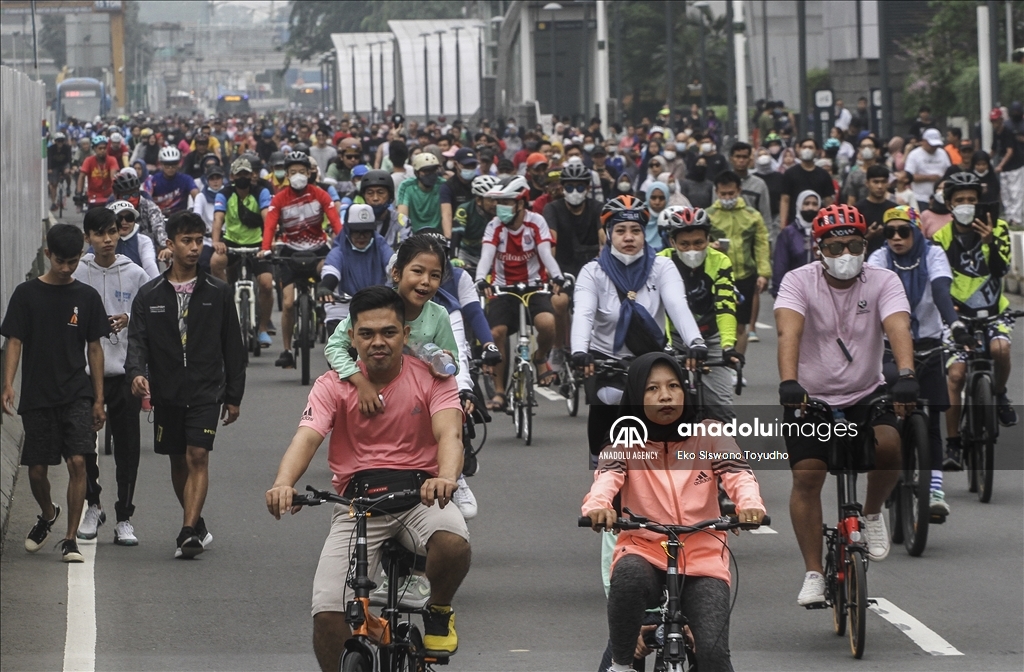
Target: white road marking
point(549, 394)
point(80, 642)
point(763, 530)
point(918, 632)
point(762, 325)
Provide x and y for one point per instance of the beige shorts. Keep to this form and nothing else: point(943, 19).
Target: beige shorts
point(412, 529)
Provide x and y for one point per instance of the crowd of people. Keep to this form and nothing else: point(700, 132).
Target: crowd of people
point(652, 244)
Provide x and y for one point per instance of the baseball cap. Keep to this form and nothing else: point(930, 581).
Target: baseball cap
point(359, 217)
point(599, 150)
point(360, 170)
point(450, 152)
point(996, 113)
point(535, 159)
point(933, 137)
point(466, 157)
point(214, 169)
point(241, 166)
point(900, 212)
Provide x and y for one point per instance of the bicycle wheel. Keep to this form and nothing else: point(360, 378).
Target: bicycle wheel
point(895, 506)
point(837, 591)
point(408, 659)
point(528, 402)
point(516, 404)
point(243, 320)
point(355, 661)
point(572, 400)
point(305, 333)
point(985, 432)
point(857, 598)
point(915, 486)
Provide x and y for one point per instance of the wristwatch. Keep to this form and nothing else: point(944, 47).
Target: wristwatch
point(906, 373)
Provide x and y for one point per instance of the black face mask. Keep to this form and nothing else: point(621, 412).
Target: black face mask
point(428, 180)
point(698, 173)
point(243, 182)
point(808, 215)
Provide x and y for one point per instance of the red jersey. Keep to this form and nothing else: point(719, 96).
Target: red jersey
point(298, 217)
point(517, 258)
point(99, 177)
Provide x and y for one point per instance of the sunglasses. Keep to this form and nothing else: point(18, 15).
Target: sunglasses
point(835, 248)
point(127, 217)
point(898, 232)
point(350, 156)
point(574, 188)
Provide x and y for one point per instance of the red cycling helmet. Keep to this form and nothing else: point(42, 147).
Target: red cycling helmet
point(839, 220)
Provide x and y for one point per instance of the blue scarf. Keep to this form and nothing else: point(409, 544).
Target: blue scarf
point(912, 268)
point(628, 279)
point(366, 268)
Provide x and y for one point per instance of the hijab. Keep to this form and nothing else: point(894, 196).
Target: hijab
point(912, 268)
point(651, 233)
point(633, 396)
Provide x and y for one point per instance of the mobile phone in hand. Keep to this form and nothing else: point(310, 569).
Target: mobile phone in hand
point(723, 245)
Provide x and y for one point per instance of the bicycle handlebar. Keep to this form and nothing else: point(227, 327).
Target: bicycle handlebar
point(519, 288)
point(316, 497)
point(992, 318)
point(244, 250)
point(723, 523)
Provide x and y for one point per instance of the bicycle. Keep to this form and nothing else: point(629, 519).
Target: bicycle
point(675, 651)
point(979, 427)
point(696, 384)
point(246, 297)
point(846, 554)
point(63, 189)
point(479, 417)
point(909, 504)
point(520, 371)
point(304, 267)
point(389, 642)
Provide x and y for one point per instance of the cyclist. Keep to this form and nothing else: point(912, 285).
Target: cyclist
point(831, 319)
point(377, 190)
point(239, 213)
point(926, 276)
point(203, 205)
point(118, 149)
point(58, 165)
point(350, 155)
point(978, 250)
point(297, 212)
point(422, 448)
point(278, 176)
point(711, 297)
point(671, 492)
point(96, 175)
point(458, 189)
point(517, 249)
point(419, 199)
point(621, 299)
point(133, 245)
point(170, 188)
point(151, 221)
point(359, 259)
point(470, 223)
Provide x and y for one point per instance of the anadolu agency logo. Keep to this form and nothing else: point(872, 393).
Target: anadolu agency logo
point(627, 433)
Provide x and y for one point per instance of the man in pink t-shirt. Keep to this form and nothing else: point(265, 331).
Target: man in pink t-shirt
point(419, 430)
point(832, 318)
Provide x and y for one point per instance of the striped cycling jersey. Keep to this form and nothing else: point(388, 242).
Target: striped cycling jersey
point(298, 217)
point(517, 259)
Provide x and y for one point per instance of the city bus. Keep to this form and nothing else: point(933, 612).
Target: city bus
point(83, 98)
point(233, 104)
point(306, 95)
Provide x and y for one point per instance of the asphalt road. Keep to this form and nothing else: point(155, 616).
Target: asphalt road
point(533, 599)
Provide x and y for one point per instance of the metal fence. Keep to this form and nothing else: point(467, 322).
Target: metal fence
point(22, 178)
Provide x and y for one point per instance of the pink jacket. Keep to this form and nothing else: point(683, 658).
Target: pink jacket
point(667, 488)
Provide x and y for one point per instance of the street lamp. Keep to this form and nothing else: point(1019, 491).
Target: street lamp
point(440, 68)
point(355, 110)
point(458, 74)
point(704, 8)
point(373, 97)
point(553, 7)
point(426, 81)
point(383, 102)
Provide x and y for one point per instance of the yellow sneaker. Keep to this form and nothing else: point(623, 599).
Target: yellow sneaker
point(439, 630)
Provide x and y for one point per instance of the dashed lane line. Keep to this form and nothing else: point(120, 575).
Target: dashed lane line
point(918, 632)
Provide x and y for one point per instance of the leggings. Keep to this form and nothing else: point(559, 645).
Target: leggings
point(637, 586)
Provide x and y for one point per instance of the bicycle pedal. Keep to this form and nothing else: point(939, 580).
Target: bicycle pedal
point(817, 605)
point(936, 519)
point(872, 602)
point(435, 657)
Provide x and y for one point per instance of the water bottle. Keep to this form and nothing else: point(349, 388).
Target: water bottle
point(439, 360)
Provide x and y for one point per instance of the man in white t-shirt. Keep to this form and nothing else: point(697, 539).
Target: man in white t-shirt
point(832, 318)
point(927, 163)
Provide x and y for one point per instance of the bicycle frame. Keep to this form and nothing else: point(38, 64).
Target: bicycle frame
point(245, 282)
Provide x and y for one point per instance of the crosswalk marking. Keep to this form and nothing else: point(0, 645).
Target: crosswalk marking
point(549, 394)
point(918, 632)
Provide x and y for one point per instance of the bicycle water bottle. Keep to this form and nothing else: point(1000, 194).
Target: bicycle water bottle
point(439, 360)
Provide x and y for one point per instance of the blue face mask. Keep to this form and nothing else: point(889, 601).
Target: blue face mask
point(468, 173)
point(506, 213)
point(379, 210)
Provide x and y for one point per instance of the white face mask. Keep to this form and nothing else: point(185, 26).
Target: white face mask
point(575, 197)
point(981, 173)
point(693, 258)
point(806, 154)
point(705, 148)
point(670, 155)
point(939, 197)
point(867, 154)
point(843, 267)
point(627, 259)
point(964, 214)
point(298, 181)
point(589, 147)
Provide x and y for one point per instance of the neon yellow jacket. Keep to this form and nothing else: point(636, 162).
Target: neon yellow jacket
point(977, 273)
point(748, 238)
point(711, 296)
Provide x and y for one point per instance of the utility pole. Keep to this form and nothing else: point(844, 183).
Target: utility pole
point(801, 20)
point(458, 74)
point(993, 39)
point(730, 72)
point(440, 69)
point(426, 81)
point(383, 101)
point(618, 61)
point(669, 80)
point(355, 110)
point(373, 96)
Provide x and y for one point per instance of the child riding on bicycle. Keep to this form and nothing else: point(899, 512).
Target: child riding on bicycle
point(663, 483)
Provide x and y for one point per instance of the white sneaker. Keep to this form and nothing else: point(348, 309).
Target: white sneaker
point(124, 534)
point(464, 499)
point(813, 590)
point(94, 517)
point(877, 537)
point(937, 504)
point(414, 593)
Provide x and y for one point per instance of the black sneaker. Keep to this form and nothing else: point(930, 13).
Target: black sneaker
point(954, 460)
point(203, 533)
point(37, 535)
point(1007, 415)
point(189, 544)
point(286, 360)
point(69, 551)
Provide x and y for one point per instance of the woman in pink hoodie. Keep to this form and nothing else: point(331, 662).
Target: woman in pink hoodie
point(662, 484)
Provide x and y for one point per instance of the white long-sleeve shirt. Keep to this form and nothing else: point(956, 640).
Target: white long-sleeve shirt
point(597, 304)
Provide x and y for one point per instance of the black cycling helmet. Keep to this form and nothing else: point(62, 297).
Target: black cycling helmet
point(126, 183)
point(378, 178)
point(300, 147)
point(276, 159)
point(959, 182)
point(254, 160)
point(296, 158)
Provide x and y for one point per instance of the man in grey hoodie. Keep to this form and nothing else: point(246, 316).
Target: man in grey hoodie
point(117, 279)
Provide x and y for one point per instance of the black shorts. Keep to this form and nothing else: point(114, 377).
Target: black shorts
point(204, 258)
point(747, 287)
point(57, 432)
point(259, 266)
point(175, 428)
point(54, 175)
point(287, 272)
point(503, 311)
point(811, 448)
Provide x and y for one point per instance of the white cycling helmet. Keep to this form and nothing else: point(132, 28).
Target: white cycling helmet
point(511, 188)
point(483, 184)
point(170, 155)
point(116, 138)
point(663, 216)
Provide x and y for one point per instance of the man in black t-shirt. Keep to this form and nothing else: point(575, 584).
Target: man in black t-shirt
point(803, 176)
point(458, 189)
point(875, 205)
point(1008, 163)
point(51, 323)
